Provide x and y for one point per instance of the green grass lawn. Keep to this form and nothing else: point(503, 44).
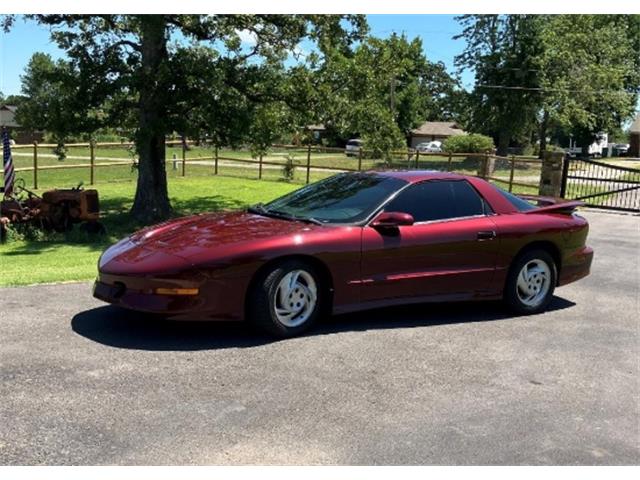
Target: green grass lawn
point(74, 256)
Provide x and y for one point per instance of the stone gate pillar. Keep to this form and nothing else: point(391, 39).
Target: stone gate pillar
point(551, 174)
point(486, 165)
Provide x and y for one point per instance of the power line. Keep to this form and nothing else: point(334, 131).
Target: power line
point(413, 31)
point(542, 89)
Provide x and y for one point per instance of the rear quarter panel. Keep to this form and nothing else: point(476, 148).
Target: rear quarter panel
point(517, 231)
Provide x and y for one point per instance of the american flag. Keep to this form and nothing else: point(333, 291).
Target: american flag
point(9, 174)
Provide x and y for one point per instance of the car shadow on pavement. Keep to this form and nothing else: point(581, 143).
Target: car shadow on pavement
point(121, 328)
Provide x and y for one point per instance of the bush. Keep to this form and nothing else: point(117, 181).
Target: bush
point(550, 148)
point(473, 143)
point(289, 168)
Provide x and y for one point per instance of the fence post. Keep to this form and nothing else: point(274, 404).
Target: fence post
point(215, 161)
point(308, 162)
point(449, 162)
point(260, 167)
point(92, 166)
point(486, 166)
point(35, 165)
point(565, 175)
point(184, 157)
point(417, 159)
point(360, 159)
point(513, 166)
point(482, 166)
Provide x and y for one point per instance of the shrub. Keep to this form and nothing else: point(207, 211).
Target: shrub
point(289, 168)
point(473, 143)
point(550, 148)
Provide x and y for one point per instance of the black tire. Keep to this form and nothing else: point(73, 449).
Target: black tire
point(511, 296)
point(261, 300)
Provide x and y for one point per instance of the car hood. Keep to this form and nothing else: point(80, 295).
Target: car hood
point(189, 235)
point(182, 242)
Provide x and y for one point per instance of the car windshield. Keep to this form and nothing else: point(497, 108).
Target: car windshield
point(343, 198)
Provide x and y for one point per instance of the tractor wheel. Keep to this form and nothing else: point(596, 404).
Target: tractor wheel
point(93, 228)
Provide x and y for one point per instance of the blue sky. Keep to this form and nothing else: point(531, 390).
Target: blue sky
point(436, 31)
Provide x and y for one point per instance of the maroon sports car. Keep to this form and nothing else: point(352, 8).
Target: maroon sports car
point(350, 242)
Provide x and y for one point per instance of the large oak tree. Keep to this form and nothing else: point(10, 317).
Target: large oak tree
point(139, 68)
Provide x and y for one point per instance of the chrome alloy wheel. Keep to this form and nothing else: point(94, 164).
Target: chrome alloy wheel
point(295, 298)
point(533, 282)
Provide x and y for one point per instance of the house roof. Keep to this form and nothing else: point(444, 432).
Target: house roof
point(441, 129)
point(635, 126)
point(11, 108)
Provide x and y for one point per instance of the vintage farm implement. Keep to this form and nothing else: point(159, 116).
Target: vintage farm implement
point(56, 210)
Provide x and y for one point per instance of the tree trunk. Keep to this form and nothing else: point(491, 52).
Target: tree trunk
point(151, 202)
point(503, 143)
point(544, 125)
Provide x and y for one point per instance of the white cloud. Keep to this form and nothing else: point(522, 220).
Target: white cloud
point(247, 37)
point(298, 51)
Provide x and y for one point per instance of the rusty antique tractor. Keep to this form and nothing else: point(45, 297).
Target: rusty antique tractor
point(56, 210)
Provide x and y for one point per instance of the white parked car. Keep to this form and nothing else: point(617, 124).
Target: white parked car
point(353, 147)
point(429, 147)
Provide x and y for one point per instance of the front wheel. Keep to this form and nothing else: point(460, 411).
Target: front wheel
point(285, 301)
point(531, 282)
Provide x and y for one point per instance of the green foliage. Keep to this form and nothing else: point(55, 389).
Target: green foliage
point(289, 168)
point(151, 75)
point(17, 232)
point(590, 72)
point(473, 143)
point(504, 51)
point(380, 91)
point(54, 100)
point(268, 123)
point(578, 74)
point(11, 99)
point(549, 147)
point(381, 135)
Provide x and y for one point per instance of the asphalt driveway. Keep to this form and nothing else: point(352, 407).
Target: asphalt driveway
point(84, 383)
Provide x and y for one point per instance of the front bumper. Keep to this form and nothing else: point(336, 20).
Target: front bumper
point(138, 293)
point(218, 299)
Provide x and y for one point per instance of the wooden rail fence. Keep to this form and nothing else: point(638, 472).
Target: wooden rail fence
point(409, 159)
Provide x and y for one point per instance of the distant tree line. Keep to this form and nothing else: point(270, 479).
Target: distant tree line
point(550, 76)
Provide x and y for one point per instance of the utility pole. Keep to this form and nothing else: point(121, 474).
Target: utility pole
point(392, 96)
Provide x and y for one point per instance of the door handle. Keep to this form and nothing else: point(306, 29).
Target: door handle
point(486, 235)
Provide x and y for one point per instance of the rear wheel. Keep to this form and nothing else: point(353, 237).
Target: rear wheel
point(531, 282)
point(285, 301)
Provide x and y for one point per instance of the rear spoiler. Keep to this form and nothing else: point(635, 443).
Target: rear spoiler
point(552, 204)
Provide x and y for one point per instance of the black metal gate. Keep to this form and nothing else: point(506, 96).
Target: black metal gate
point(601, 185)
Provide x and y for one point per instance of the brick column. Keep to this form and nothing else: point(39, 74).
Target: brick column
point(551, 174)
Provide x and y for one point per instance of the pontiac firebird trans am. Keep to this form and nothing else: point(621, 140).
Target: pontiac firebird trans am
point(350, 242)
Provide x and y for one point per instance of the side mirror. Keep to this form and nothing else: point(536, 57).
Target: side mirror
point(392, 220)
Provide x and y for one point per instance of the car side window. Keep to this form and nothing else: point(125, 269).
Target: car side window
point(439, 200)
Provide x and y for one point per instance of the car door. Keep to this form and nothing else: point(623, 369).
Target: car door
point(449, 252)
